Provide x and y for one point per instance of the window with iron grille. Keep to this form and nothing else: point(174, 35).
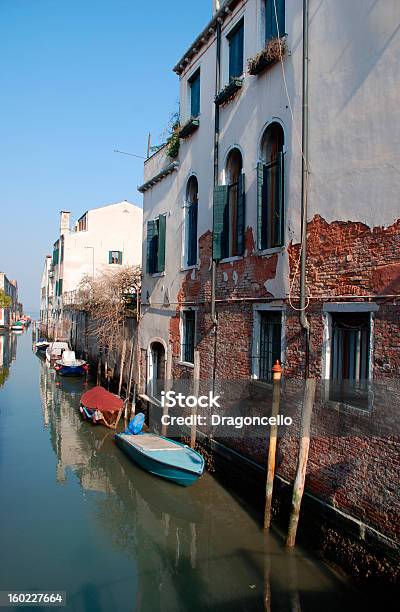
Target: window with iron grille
point(350, 350)
point(270, 343)
point(188, 335)
point(236, 52)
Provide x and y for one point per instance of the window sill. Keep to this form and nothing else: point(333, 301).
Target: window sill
point(187, 268)
point(187, 364)
point(189, 127)
point(231, 259)
point(263, 384)
point(271, 251)
point(229, 91)
point(157, 274)
point(270, 55)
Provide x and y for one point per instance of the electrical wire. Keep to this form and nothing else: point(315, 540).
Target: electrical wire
point(303, 157)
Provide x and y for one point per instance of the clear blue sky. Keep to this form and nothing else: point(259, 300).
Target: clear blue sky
point(79, 78)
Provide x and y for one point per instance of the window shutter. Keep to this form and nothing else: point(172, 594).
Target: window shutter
point(110, 257)
point(241, 214)
point(151, 232)
point(271, 31)
point(192, 235)
point(280, 209)
point(280, 10)
point(260, 183)
point(219, 206)
point(120, 258)
point(162, 222)
point(195, 95)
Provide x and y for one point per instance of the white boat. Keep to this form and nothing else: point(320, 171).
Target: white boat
point(69, 365)
point(55, 350)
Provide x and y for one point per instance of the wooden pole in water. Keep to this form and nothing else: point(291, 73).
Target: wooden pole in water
point(122, 365)
point(99, 370)
point(196, 387)
point(167, 386)
point(276, 397)
point(298, 487)
point(131, 363)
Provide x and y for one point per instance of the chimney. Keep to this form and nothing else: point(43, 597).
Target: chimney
point(64, 222)
point(216, 6)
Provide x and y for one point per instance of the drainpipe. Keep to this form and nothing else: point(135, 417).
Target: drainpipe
point(304, 190)
point(216, 158)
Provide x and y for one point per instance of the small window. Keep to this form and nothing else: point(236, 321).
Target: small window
point(274, 21)
point(270, 189)
point(188, 335)
point(236, 52)
point(156, 229)
point(350, 348)
point(269, 343)
point(191, 212)
point(194, 84)
point(82, 223)
point(115, 257)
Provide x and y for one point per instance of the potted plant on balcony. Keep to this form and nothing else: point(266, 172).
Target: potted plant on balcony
point(272, 53)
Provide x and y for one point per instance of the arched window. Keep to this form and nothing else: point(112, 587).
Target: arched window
point(270, 189)
point(191, 213)
point(229, 210)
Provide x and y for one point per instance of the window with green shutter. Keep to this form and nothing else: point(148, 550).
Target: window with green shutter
point(229, 210)
point(156, 235)
point(271, 190)
point(274, 22)
point(115, 257)
point(194, 84)
point(236, 51)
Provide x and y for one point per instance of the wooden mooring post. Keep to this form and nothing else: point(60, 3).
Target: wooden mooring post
point(196, 388)
point(122, 365)
point(276, 397)
point(298, 487)
point(167, 386)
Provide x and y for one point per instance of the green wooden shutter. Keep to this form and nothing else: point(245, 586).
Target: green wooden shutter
point(241, 215)
point(162, 223)
point(110, 257)
point(271, 31)
point(219, 206)
point(120, 258)
point(260, 183)
point(151, 233)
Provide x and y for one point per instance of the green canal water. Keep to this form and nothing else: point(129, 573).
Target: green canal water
point(77, 516)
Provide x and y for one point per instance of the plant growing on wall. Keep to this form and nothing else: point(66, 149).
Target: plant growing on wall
point(5, 300)
point(108, 299)
point(170, 137)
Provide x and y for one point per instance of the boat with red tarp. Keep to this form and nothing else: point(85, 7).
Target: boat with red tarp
point(100, 406)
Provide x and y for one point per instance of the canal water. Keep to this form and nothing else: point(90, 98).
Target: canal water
point(77, 516)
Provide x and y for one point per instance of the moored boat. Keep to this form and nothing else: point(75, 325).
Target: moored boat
point(162, 457)
point(69, 365)
point(41, 346)
point(100, 406)
point(55, 350)
point(18, 326)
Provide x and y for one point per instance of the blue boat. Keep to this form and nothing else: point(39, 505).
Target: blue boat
point(163, 457)
point(68, 365)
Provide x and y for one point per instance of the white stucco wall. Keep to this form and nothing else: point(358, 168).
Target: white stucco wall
point(354, 132)
point(117, 227)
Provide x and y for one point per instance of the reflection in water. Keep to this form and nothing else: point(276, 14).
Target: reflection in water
point(189, 549)
point(8, 354)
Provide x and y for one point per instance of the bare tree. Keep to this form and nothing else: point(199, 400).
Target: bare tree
point(108, 298)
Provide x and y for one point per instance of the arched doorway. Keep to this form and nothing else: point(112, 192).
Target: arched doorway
point(156, 369)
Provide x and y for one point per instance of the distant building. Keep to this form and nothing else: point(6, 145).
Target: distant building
point(102, 238)
point(10, 314)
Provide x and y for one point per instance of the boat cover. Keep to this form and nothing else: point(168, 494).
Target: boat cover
point(100, 399)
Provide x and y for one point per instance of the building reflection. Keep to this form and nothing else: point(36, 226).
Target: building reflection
point(8, 354)
point(182, 541)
